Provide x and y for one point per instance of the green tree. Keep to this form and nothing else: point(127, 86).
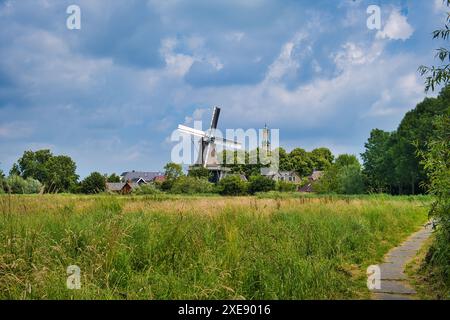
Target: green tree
point(191, 185)
point(15, 170)
point(439, 75)
point(33, 186)
point(346, 160)
point(57, 173)
point(350, 180)
point(436, 161)
point(322, 158)
point(199, 172)
point(343, 177)
point(34, 164)
point(173, 171)
point(61, 174)
point(113, 178)
point(377, 161)
point(301, 162)
point(260, 184)
point(94, 183)
point(16, 184)
point(232, 185)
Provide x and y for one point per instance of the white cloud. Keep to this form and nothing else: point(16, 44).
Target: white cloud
point(404, 93)
point(286, 61)
point(176, 63)
point(396, 27)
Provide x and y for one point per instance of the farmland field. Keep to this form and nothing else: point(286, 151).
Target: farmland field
point(137, 247)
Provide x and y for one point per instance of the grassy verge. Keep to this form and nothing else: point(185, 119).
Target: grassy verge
point(425, 276)
point(198, 247)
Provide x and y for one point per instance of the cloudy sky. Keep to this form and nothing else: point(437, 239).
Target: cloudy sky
point(109, 95)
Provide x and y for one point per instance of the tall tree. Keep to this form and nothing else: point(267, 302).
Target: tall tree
point(322, 158)
point(61, 174)
point(94, 183)
point(173, 171)
point(301, 162)
point(377, 164)
point(57, 173)
point(344, 160)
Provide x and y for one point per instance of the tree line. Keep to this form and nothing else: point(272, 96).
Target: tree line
point(392, 163)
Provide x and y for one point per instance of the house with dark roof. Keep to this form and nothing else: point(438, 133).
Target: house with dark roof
point(140, 177)
point(121, 187)
point(286, 176)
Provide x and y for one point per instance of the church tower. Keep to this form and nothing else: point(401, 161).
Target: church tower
point(265, 144)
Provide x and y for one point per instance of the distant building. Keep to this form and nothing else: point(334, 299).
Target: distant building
point(141, 176)
point(121, 187)
point(315, 176)
point(287, 176)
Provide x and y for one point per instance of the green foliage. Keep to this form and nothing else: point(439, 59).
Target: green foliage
point(199, 172)
point(191, 185)
point(57, 173)
point(147, 189)
point(173, 171)
point(15, 170)
point(436, 161)
point(260, 184)
point(284, 186)
point(378, 167)
point(16, 184)
point(322, 158)
point(300, 162)
point(232, 185)
point(113, 178)
point(33, 186)
point(350, 180)
point(343, 177)
point(390, 159)
point(439, 75)
point(94, 183)
point(345, 160)
point(61, 174)
point(329, 182)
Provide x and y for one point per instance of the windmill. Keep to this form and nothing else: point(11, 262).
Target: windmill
point(207, 155)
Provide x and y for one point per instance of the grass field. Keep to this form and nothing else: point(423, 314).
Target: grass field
point(173, 247)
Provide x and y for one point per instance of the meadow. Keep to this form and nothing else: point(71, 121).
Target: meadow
point(269, 246)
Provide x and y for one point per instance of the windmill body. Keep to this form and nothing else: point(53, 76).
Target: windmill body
point(207, 156)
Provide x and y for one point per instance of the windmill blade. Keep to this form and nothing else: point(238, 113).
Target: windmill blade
point(192, 131)
point(228, 143)
point(208, 149)
point(215, 118)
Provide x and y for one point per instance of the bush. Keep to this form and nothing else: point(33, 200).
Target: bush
point(191, 185)
point(32, 186)
point(146, 189)
point(350, 180)
point(346, 179)
point(232, 186)
point(16, 184)
point(199, 172)
point(94, 183)
point(284, 186)
point(261, 184)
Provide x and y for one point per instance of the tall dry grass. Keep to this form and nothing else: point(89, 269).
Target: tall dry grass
point(198, 247)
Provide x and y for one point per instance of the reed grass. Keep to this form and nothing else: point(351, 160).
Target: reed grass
point(142, 247)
